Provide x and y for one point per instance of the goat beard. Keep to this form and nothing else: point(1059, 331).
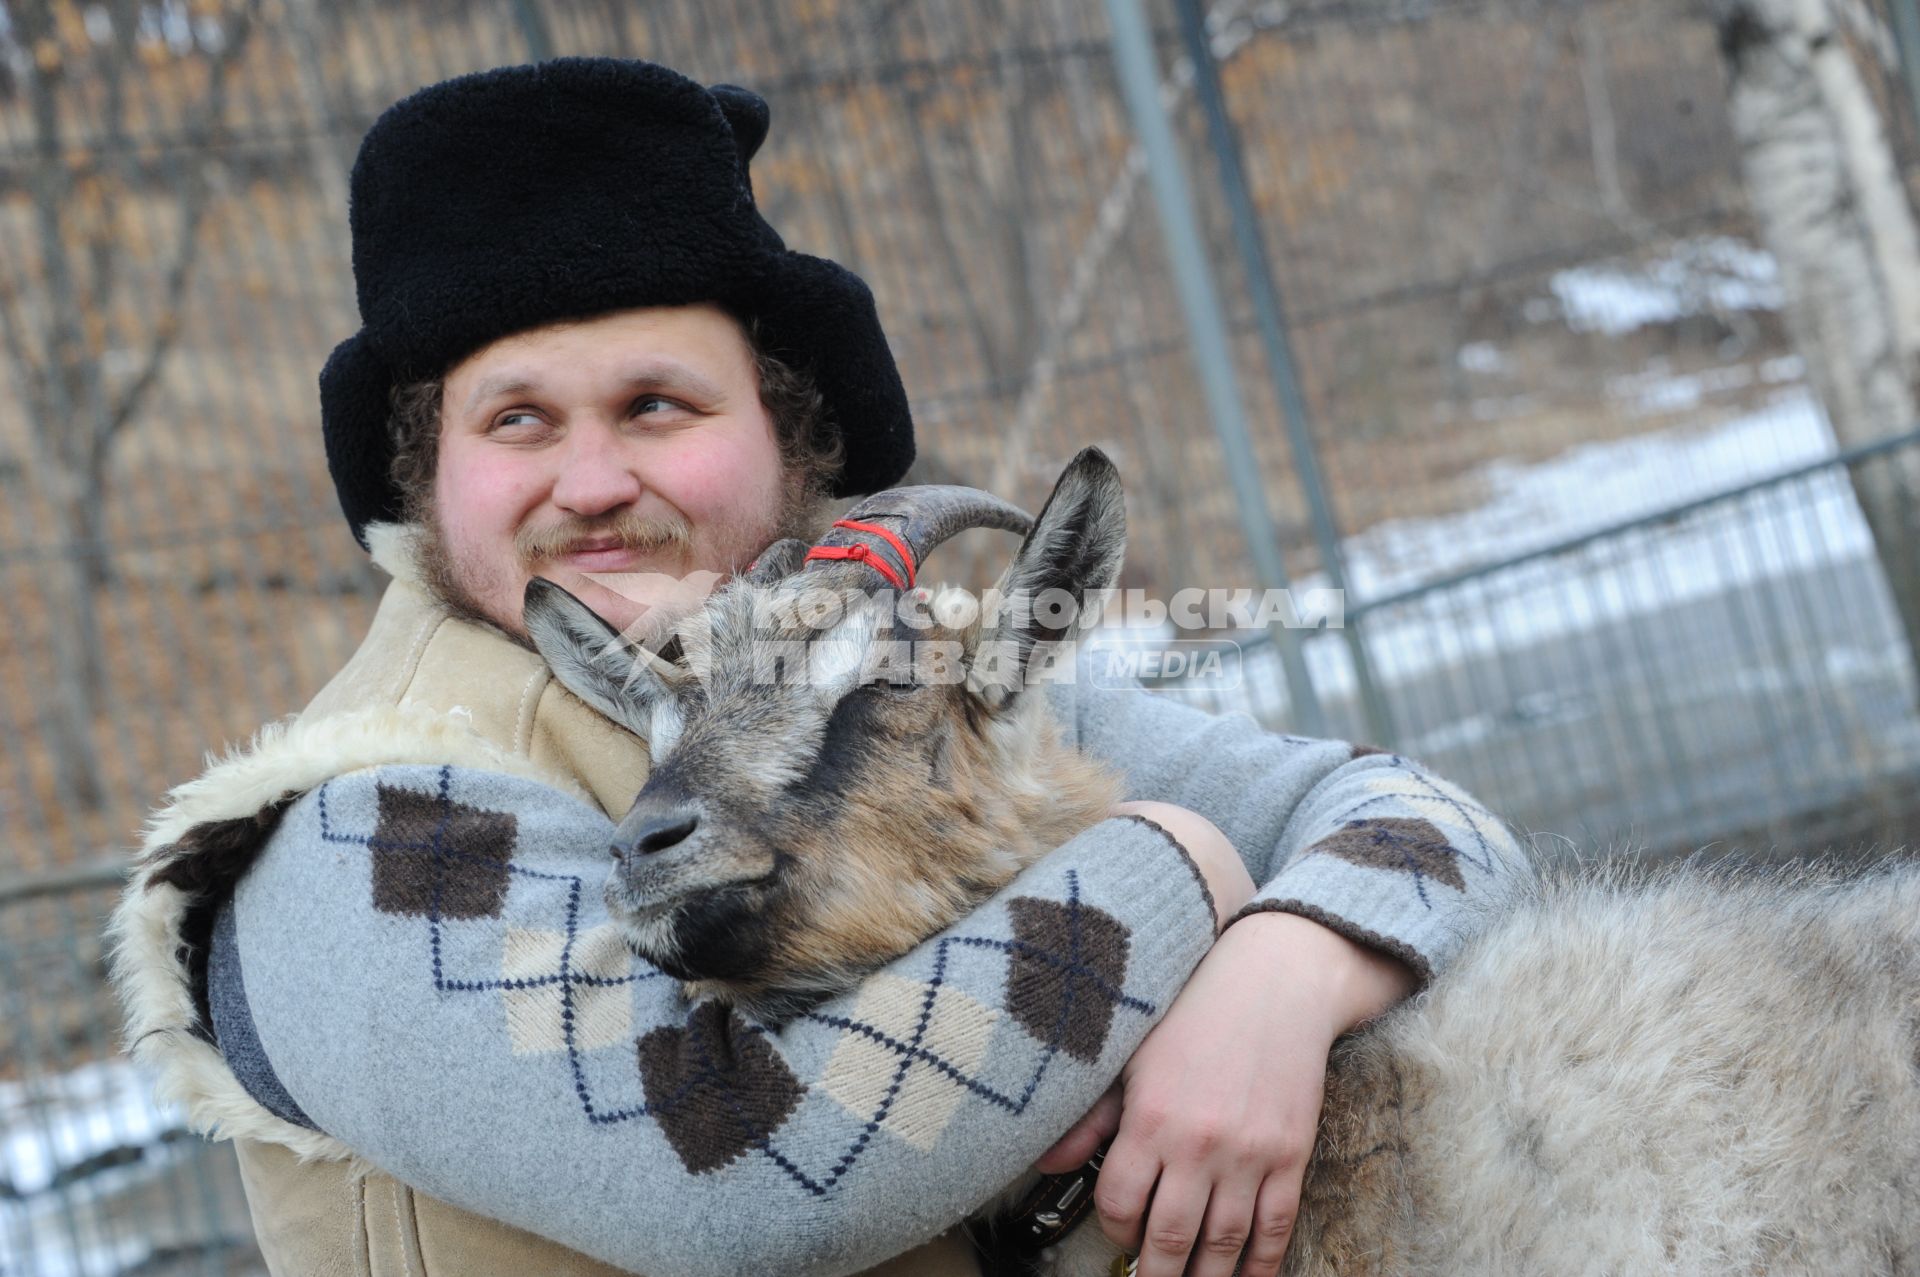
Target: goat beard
point(805, 512)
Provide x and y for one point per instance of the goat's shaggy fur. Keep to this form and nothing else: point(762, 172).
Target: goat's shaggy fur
point(1688, 1071)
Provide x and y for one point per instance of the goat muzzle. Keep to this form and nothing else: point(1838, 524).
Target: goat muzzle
point(660, 833)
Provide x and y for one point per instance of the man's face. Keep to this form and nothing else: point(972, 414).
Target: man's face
point(590, 452)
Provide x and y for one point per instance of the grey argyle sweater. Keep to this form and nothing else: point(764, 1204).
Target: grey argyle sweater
point(417, 965)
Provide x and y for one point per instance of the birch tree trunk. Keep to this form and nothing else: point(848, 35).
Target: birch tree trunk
point(1819, 170)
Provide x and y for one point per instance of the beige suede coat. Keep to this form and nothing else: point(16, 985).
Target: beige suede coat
point(322, 1218)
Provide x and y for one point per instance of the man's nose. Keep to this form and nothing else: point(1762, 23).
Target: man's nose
point(596, 474)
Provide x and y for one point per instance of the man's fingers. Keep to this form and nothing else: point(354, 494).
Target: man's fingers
point(1124, 1189)
point(1173, 1225)
point(1273, 1214)
point(1078, 1145)
point(1224, 1230)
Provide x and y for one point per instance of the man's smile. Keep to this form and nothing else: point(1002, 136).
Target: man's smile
point(609, 555)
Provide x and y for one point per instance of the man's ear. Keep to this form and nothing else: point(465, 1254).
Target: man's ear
point(1069, 560)
point(590, 658)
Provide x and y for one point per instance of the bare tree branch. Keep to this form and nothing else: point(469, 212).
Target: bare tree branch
point(1602, 131)
point(51, 186)
point(74, 434)
point(125, 17)
point(203, 130)
point(27, 370)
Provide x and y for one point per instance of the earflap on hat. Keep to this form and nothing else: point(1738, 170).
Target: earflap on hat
point(820, 316)
point(356, 389)
point(747, 115)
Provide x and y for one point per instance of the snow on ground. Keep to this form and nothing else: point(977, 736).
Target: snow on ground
point(54, 1123)
point(1531, 505)
point(1654, 667)
point(1482, 356)
point(72, 1147)
point(69, 1143)
point(60, 1259)
point(1712, 273)
point(1805, 524)
point(1659, 391)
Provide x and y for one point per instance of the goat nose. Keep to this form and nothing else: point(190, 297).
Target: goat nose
point(663, 832)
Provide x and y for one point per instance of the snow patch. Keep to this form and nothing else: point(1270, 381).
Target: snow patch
point(1783, 368)
point(49, 1126)
point(73, 1146)
point(1591, 486)
point(1697, 276)
point(1481, 356)
point(1743, 544)
point(1657, 392)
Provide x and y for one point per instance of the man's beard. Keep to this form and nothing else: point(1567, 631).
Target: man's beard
point(804, 514)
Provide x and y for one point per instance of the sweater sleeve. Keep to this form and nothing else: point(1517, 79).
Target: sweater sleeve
point(419, 964)
point(1364, 841)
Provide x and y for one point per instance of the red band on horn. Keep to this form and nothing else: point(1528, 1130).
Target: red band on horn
point(864, 554)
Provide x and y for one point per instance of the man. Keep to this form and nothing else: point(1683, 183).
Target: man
point(366, 941)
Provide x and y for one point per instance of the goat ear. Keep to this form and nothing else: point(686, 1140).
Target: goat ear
point(1073, 554)
point(778, 561)
point(592, 660)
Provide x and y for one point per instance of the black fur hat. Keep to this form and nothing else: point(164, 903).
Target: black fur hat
point(527, 195)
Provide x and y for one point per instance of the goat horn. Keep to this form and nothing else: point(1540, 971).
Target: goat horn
point(922, 517)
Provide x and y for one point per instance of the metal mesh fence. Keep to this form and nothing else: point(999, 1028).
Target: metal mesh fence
point(1541, 352)
point(1730, 677)
point(94, 1177)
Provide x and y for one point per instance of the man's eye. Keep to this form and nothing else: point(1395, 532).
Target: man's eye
point(652, 405)
point(518, 422)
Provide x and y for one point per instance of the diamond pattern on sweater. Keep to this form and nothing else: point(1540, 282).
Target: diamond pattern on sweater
point(713, 1082)
point(1474, 830)
point(716, 1087)
point(1399, 844)
point(911, 1094)
point(402, 815)
point(589, 1009)
point(1064, 969)
point(439, 858)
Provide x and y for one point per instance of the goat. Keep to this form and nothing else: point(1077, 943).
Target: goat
point(1688, 1071)
point(825, 817)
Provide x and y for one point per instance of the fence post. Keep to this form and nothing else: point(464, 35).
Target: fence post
point(1207, 333)
point(1906, 34)
point(1258, 270)
point(533, 29)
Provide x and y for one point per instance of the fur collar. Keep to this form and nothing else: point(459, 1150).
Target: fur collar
point(150, 966)
point(395, 550)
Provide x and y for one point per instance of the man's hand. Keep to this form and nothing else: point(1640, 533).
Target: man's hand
point(1216, 1112)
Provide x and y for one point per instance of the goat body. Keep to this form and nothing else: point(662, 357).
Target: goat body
point(1685, 1072)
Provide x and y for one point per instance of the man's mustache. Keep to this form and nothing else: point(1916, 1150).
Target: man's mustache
point(625, 530)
